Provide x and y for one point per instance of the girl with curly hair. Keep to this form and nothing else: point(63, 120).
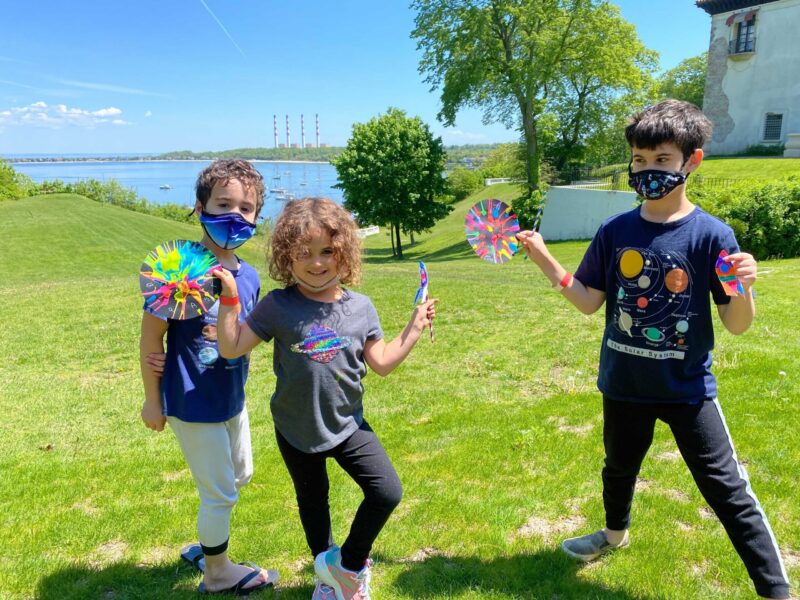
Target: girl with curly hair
point(325, 337)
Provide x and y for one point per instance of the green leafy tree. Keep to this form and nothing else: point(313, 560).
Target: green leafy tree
point(391, 175)
point(614, 64)
point(508, 57)
point(505, 160)
point(687, 81)
point(462, 182)
point(13, 184)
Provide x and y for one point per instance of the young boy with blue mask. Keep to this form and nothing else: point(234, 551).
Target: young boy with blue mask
point(199, 393)
point(654, 267)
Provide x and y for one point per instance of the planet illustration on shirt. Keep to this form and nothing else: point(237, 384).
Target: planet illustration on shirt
point(321, 344)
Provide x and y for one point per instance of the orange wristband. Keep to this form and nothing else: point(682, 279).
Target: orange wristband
point(565, 281)
point(229, 300)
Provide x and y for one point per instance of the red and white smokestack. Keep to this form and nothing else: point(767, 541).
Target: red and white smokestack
point(288, 137)
point(317, 117)
point(275, 128)
point(302, 133)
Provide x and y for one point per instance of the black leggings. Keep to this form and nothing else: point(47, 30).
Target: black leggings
point(704, 442)
point(364, 459)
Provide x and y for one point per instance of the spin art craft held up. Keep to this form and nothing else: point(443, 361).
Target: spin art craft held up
point(422, 292)
point(491, 229)
point(727, 276)
point(175, 282)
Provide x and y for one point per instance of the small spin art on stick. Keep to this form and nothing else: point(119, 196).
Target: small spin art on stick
point(491, 229)
point(175, 281)
point(422, 292)
point(727, 276)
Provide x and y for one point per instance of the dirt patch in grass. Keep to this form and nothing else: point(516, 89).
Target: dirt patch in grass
point(671, 456)
point(108, 553)
point(539, 527)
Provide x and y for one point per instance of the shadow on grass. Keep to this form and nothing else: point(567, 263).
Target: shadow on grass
point(458, 250)
point(128, 581)
point(548, 574)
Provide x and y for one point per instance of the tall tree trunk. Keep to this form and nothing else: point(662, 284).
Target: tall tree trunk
point(399, 243)
point(391, 237)
point(531, 148)
point(412, 238)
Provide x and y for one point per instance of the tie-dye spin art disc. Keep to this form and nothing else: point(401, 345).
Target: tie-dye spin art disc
point(175, 282)
point(491, 229)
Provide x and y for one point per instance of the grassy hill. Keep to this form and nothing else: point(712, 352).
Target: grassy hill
point(495, 430)
point(749, 168)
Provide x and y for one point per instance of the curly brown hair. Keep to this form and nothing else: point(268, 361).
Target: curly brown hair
point(293, 232)
point(222, 171)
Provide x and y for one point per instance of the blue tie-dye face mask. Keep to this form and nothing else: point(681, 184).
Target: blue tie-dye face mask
point(653, 184)
point(228, 231)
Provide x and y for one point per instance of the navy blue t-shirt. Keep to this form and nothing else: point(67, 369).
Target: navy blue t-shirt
point(198, 385)
point(657, 278)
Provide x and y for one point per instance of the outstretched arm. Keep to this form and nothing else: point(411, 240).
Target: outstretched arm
point(585, 298)
point(382, 357)
point(234, 340)
point(152, 341)
point(738, 314)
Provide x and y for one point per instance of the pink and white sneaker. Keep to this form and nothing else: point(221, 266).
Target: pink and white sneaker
point(323, 592)
point(346, 584)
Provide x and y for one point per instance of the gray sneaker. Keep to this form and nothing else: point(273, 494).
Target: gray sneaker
point(589, 547)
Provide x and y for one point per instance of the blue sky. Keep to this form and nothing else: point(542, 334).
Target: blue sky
point(160, 75)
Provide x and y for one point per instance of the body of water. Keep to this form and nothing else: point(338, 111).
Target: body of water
point(151, 178)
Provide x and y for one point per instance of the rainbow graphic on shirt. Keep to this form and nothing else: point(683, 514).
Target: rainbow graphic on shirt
point(321, 344)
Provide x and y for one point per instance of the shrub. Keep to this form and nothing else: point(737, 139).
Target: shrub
point(462, 182)
point(763, 150)
point(764, 215)
point(13, 185)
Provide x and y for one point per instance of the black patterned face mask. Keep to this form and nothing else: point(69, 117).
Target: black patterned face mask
point(653, 184)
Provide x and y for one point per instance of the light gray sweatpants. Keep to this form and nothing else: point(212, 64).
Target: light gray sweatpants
point(221, 461)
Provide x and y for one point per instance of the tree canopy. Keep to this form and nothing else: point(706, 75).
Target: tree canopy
point(519, 59)
point(391, 174)
point(687, 81)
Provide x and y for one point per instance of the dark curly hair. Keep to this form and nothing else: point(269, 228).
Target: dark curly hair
point(292, 234)
point(669, 121)
point(222, 171)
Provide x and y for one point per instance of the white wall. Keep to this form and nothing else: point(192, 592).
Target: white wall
point(575, 213)
point(741, 89)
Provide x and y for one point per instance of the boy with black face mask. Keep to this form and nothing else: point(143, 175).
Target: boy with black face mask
point(199, 393)
point(655, 268)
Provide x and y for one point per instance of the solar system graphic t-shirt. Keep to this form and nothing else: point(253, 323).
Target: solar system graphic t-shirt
point(198, 385)
point(319, 363)
point(657, 278)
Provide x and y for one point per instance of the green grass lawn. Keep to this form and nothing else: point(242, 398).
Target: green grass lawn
point(495, 430)
point(722, 167)
point(748, 168)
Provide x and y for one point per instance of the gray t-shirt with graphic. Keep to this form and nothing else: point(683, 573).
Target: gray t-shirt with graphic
point(318, 362)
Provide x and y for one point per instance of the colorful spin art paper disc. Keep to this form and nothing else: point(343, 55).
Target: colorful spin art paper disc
point(727, 276)
point(491, 229)
point(175, 282)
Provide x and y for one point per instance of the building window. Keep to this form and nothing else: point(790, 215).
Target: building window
point(772, 127)
point(745, 39)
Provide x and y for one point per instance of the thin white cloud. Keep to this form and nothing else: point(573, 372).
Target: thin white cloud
point(40, 114)
point(466, 136)
point(149, 113)
point(221, 26)
point(17, 84)
point(107, 87)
